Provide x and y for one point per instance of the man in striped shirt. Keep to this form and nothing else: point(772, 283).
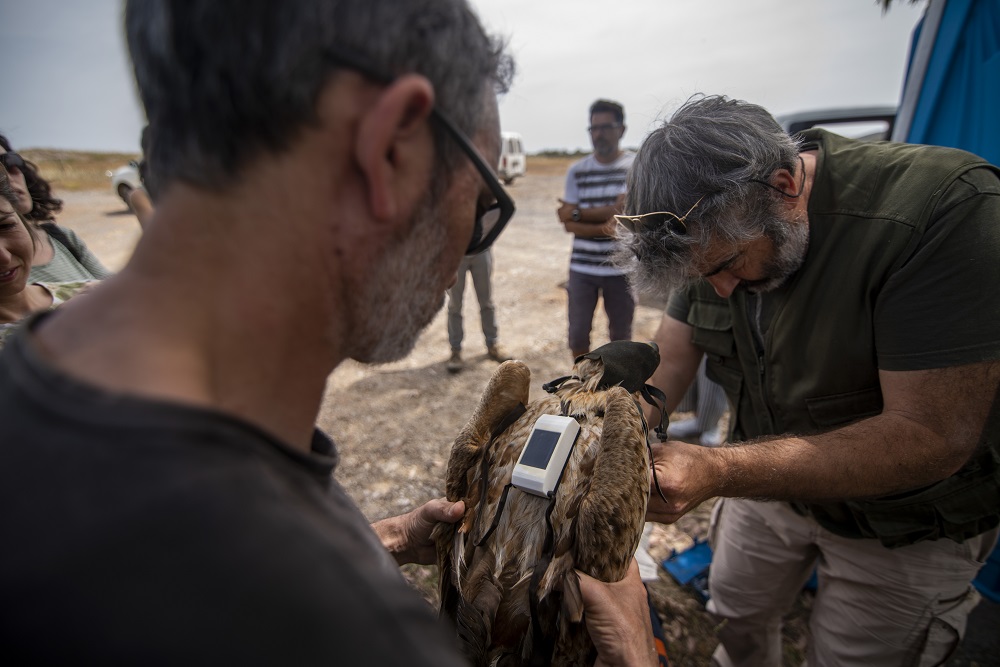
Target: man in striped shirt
point(595, 191)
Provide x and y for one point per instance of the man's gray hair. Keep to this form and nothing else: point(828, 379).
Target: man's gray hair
point(713, 152)
point(223, 81)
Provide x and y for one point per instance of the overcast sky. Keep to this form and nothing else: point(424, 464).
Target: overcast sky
point(67, 84)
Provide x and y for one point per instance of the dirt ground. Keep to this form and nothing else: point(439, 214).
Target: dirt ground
point(394, 424)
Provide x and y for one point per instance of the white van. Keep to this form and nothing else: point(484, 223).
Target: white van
point(512, 159)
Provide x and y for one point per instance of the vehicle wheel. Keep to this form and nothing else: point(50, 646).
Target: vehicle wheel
point(125, 192)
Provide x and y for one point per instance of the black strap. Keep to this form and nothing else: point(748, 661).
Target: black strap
point(54, 231)
point(658, 400)
point(496, 517)
point(542, 646)
point(484, 469)
point(554, 385)
point(508, 421)
point(651, 394)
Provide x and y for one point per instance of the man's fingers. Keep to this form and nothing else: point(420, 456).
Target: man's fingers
point(442, 510)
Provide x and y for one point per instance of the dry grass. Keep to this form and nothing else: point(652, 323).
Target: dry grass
point(80, 170)
point(76, 170)
point(550, 164)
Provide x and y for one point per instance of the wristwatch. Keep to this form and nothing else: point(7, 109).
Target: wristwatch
point(575, 215)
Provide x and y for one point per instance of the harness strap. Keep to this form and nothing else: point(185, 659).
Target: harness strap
point(542, 646)
point(658, 400)
point(484, 468)
point(651, 394)
point(497, 516)
point(554, 385)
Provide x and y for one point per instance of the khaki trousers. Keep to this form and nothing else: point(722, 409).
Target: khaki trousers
point(874, 606)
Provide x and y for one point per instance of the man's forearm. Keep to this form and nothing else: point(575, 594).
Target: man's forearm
point(589, 230)
point(597, 215)
point(931, 424)
point(874, 457)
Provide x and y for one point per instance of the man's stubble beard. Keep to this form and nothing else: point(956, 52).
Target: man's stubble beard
point(402, 295)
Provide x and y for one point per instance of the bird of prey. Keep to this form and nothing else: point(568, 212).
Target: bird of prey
point(507, 569)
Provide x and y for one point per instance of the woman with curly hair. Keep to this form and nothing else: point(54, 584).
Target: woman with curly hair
point(61, 256)
point(19, 295)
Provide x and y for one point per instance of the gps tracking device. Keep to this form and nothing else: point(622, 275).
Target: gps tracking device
point(542, 460)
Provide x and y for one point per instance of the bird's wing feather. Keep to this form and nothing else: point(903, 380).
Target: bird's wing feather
point(612, 511)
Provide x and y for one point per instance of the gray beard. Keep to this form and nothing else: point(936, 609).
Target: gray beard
point(397, 302)
point(788, 258)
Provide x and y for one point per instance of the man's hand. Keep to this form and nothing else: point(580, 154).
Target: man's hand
point(565, 211)
point(408, 536)
point(687, 476)
point(617, 617)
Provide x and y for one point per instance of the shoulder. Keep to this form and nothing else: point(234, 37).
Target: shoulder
point(62, 234)
point(862, 179)
point(582, 164)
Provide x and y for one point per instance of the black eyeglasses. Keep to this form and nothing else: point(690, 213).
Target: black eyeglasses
point(605, 127)
point(490, 220)
point(12, 160)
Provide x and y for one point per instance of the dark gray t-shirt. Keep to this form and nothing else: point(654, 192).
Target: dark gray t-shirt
point(144, 532)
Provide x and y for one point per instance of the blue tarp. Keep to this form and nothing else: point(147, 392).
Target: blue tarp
point(958, 105)
point(959, 99)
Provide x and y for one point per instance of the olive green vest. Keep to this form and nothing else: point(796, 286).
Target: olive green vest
point(818, 366)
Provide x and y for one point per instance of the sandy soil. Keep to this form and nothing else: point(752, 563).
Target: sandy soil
point(394, 424)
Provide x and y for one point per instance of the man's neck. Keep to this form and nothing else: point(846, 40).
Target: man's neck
point(191, 321)
point(610, 159)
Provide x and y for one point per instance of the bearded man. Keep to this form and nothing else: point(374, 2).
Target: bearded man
point(322, 166)
point(845, 296)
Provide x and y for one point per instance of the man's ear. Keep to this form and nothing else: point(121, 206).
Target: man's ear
point(390, 132)
point(785, 181)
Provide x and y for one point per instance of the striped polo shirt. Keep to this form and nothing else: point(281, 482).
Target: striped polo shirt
point(590, 184)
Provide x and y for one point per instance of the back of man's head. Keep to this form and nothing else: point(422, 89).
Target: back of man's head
point(607, 106)
point(224, 81)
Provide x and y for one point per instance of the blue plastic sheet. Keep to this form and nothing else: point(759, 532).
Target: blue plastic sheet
point(959, 100)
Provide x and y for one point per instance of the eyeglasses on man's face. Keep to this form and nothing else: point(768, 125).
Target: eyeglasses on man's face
point(11, 160)
point(491, 219)
point(604, 127)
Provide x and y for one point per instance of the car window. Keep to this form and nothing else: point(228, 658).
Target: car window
point(868, 130)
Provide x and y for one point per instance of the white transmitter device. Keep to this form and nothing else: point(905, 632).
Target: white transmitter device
point(542, 460)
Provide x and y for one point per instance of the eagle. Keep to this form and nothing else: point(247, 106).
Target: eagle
point(507, 569)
